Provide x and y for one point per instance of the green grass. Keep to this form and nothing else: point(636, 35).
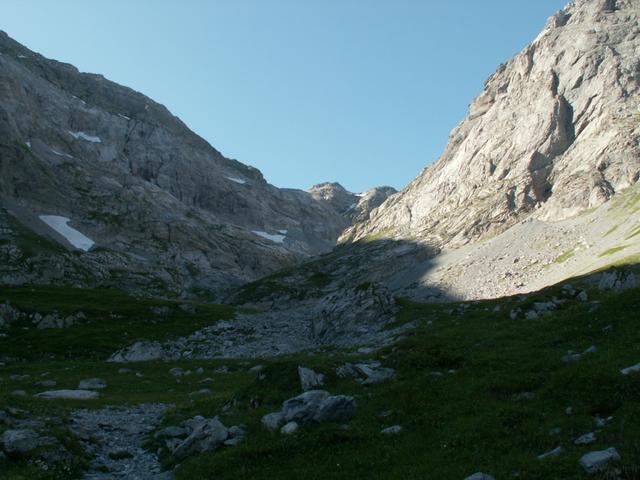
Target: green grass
point(611, 230)
point(114, 320)
point(566, 256)
point(612, 250)
point(634, 232)
point(454, 423)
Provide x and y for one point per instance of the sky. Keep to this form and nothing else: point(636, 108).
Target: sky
point(363, 92)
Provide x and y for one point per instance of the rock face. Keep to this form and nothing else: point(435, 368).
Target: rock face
point(355, 206)
point(553, 133)
point(91, 165)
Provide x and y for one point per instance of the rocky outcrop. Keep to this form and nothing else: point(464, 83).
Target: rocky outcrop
point(356, 207)
point(554, 132)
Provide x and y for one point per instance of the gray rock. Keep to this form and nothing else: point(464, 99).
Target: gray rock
point(47, 383)
point(594, 462)
point(585, 439)
point(556, 452)
point(19, 393)
point(304, 407)
point(69, 394)
point(632, 369)
point(337, 408)
point(583, 296)
point(176, 372)
point(206, 437)
point(92, 384)
point(289, 429)
point(571, 357)
point(309, 379)
point(20, 442)
point(273, 420)
point(138, 352)
point(480, 476)
point(393, 430)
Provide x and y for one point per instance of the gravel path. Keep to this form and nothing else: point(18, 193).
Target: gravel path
point(114, 437)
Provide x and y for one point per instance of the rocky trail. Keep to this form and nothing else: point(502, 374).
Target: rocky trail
point(115, 437)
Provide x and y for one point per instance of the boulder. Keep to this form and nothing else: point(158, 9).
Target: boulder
point(337, 408)
point(393, 430)
point(290, 428)
point(69, 394)
point(556, 452)
point(309, 379)
point(273, 420)
point(20, 442)
point(632, 369)
point(585, 439)
point(304, 407)
point(594, 462)
point(92, 384)
point(480, 476)
point(206, 437)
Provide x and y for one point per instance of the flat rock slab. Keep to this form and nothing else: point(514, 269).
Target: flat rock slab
point(69, 394)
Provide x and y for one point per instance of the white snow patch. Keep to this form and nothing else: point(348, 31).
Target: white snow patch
point(237, 180)
point(73, 236)
point(84, 136)
point(268, 236)
point(22, 56)
point(352, 206)
point(361, 194)
point(28, 144)
point(283, 232)
point(124, 116)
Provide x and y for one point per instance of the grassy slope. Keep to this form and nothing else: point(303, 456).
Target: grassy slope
point(454, 424)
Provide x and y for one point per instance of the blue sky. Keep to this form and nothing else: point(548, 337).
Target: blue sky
point(364, 92)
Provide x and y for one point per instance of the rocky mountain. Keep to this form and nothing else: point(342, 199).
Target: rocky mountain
point(554, 132)
point(355, 206)
point(100, 185)
point(539, 183)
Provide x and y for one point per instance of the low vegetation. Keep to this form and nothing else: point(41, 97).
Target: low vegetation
point(475, 390)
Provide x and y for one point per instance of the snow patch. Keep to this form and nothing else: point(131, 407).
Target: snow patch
point(28, 144)
point(283, 232)
point(268, 236)
point(84, 136)
point(124, 116)
point(236, 180)
point(361, 194)
point(73, 236)
point(22, 56)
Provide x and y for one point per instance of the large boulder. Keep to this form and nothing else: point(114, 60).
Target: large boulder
point(594, 462)
point(337, 408)
point(69, 395)
point(314, 405)
point(304, 407)
point(206, 436)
